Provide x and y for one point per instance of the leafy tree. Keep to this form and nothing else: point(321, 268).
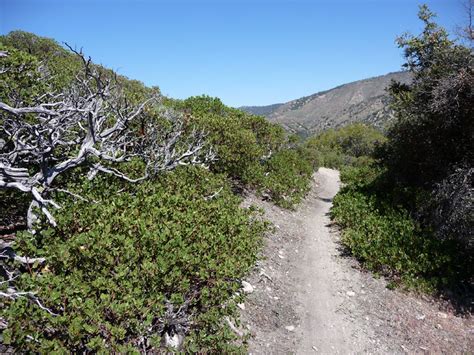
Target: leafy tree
point(431, 145)
point(435, 128)
point(410, 215)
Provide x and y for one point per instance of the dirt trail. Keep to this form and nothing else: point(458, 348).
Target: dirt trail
point(311, 299)
point(325, 283)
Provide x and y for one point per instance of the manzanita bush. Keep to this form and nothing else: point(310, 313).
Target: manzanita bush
point(131, 263)
point(253, 151)
point(166, 255)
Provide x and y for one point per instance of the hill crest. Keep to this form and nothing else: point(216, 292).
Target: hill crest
point(364, 100)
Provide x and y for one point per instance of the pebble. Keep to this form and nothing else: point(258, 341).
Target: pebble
point(248, 288)
point(241, 306)
point(290, 328)
point(442, 315)
point(350, 293)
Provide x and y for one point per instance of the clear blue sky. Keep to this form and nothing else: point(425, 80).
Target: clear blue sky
point(247, 52)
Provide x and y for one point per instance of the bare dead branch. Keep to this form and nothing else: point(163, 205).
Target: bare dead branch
point(87, 125)
point(26, 110)
point(14, 294)
point(214, 195)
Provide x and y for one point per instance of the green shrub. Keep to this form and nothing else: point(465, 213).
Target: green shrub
point(136, 261)
point(114, 268)
point(253, 151)
point(288, 177)
point(241, 140)
point(381, 233)
point(60, 62)
point(358, 177)
point(349, 145)
point(21, 79)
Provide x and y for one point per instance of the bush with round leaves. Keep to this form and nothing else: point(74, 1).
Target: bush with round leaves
point(161, 256)
point(253, 151)
point(387, 239)
point(288, 176)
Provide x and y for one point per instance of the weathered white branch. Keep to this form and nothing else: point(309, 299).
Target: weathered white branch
point(115, 172)
point(25, 110)
point(14, 294)
point(79, 197)
point(86, 124)
point(212, 196)
point(10, 254)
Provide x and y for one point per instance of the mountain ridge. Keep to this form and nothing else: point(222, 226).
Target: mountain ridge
point(364, 100)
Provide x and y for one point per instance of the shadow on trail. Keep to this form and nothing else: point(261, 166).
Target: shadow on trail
point(325, 199)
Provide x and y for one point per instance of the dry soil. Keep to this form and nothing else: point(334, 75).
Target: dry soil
point(309, 298)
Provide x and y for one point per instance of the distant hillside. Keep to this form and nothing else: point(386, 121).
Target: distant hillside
point(359, 101)
point(261, 110)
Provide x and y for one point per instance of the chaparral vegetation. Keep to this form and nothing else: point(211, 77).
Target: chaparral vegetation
point(127, 231)
point(121, 220)
point(407, 212)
